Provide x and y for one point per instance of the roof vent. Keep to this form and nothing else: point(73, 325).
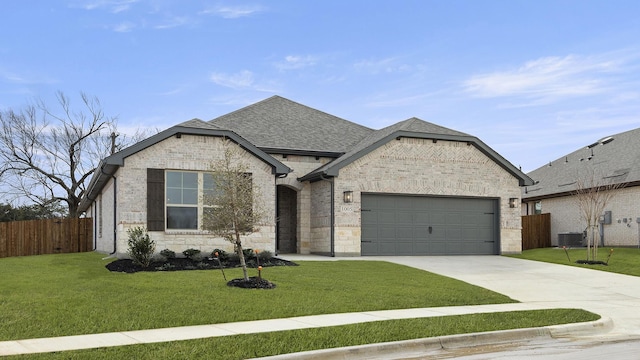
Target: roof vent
point(593, 145)
point(606, 140)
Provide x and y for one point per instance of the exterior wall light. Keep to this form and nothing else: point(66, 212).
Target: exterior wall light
point(348, 196)
point(513, 202)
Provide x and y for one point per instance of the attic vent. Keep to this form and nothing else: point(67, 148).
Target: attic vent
point(567, 184)
point(606, 140)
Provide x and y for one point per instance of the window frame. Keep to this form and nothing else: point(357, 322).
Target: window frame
point(168, 203)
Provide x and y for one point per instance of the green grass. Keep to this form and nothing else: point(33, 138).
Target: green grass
point(267, 344)
point(57, 295)
point(622, 260)
point(69, 294)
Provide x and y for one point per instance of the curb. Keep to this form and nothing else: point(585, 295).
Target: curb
point(417, 347)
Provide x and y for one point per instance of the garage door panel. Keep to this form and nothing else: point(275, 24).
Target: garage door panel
point(386, 217)
point(438, 218)
point(415, 225)
point(405, 233)
point(421, 217)
point(387, 247)
point(386, 232)
point(404, 218)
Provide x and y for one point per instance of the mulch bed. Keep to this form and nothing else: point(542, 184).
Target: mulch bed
point(181, 264)
point(592, 262)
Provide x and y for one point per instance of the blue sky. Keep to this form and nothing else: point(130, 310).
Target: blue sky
point(534, 80)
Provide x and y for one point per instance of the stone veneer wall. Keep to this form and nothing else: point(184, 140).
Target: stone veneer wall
point(103, 225)
point(565, 217)
point(420, 166)
point(321, 217)
point(302, 165)
point(188, 153)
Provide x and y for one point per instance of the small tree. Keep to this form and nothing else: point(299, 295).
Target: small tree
point(593, 194)
point(232, 209)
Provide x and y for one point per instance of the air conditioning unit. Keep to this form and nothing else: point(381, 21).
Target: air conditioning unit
point(570, 239)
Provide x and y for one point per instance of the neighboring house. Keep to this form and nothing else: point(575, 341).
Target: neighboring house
point(613, 159)
point(332, 187)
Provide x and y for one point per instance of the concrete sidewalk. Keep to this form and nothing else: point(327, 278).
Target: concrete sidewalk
point(91, 341)
point(536, 285)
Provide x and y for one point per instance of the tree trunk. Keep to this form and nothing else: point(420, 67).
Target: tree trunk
point(243, 263)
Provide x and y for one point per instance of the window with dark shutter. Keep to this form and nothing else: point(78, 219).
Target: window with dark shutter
point(155, 199)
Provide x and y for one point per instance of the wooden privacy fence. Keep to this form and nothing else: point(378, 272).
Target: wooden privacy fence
point(50, 236)
point(536, 231)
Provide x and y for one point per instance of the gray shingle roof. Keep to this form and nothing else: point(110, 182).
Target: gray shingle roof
point(279, 123)
point(199, 124)
point(612, 159)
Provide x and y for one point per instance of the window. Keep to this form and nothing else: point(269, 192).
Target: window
point(176, 200)
point(182, 200)
point(538, 208)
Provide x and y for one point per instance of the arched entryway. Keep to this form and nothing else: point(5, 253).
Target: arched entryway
point(286, 227)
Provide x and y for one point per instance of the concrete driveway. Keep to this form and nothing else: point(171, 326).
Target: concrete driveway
point(557, 286)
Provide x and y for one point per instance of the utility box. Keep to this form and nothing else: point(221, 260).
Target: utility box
point(570, 239)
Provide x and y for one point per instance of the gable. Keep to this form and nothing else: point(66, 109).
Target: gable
point(413, 128)
point(110, 165)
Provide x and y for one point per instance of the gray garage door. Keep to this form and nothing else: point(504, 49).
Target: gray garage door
point(420, 225)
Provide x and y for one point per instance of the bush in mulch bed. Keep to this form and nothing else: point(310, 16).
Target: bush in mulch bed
point(178, 264)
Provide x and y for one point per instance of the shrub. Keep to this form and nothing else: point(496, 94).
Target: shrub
point(190, 253)
point(248, 253)
point(222, 255)
point(141, 247)
point(158, 258)
point(169, 254)
point(166, 267)
point(265, 255)
point(197, 257)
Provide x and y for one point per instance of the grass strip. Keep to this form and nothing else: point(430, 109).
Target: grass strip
point(622, 260)
point(282, 342)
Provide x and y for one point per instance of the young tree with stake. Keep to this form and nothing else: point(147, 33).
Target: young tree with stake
point(232, 206)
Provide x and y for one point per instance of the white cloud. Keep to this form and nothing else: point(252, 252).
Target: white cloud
point(243, 79)
point(233, 12)
point(113, 6)
point(292, 62)
point(123, 27)
point(377, 66)
point(175, 21)
point(546, 78)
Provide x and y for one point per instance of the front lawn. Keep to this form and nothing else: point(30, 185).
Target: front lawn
point(69, 294)
point(622, 260)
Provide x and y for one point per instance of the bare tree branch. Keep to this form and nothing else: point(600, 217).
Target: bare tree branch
point(48, 155)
